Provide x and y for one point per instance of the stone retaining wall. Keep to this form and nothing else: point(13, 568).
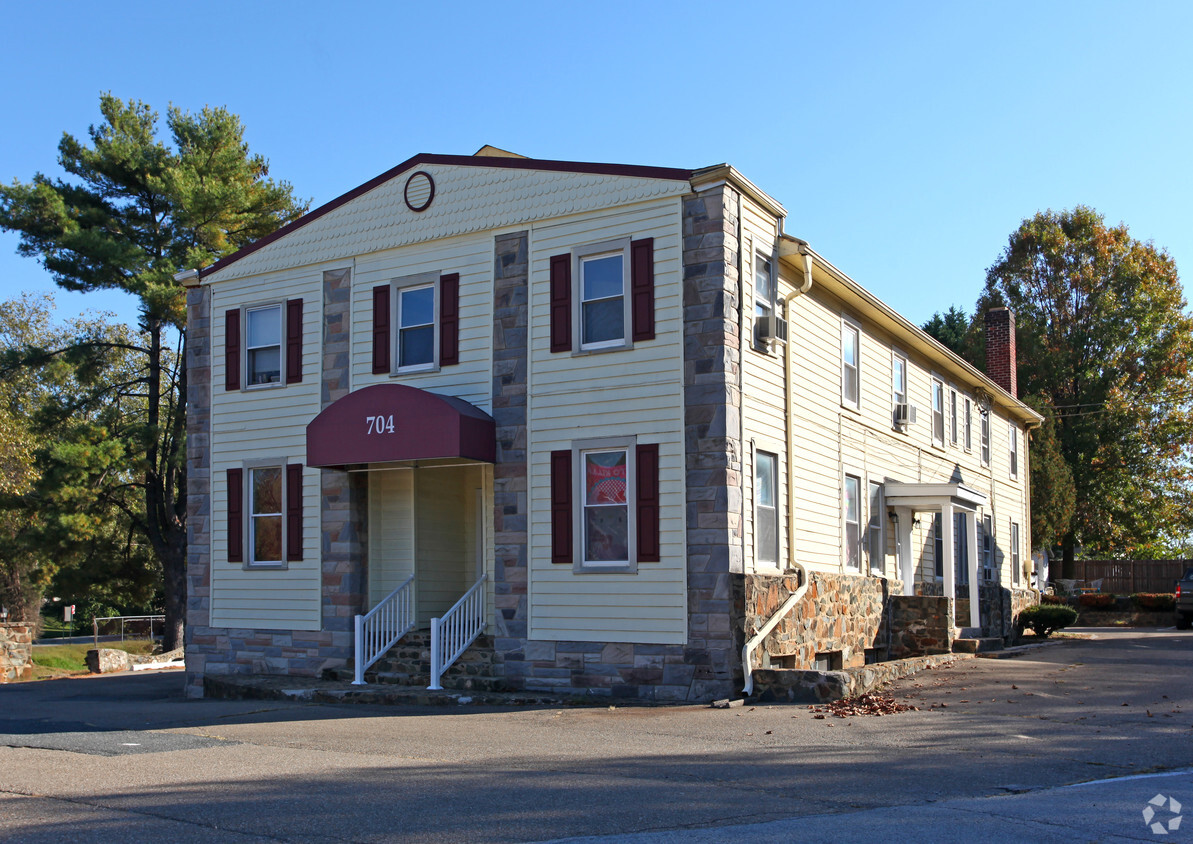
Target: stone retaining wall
point(16, 651)
point(921, 624)
point(793, 686)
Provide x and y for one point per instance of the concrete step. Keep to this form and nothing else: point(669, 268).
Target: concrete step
point(967, 632)
point(977, 645)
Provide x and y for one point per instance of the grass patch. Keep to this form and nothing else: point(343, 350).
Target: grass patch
point(53, 661)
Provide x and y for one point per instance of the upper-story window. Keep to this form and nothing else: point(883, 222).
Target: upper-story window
point(937, 412)
point(263, 344)
point(416, 327)
point(953, 417)
point(967, 419)
point(853, 521)
point(985, 437)
point(424, 310)
point(898, 380)
point(602, 296)
point(765, 294)
point(850, 364)
point(1013, 448)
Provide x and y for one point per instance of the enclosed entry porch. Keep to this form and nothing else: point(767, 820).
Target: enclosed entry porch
point(428, 460)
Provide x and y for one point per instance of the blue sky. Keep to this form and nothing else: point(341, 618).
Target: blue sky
point(906, 140)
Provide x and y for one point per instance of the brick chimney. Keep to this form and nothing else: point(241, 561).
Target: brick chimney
point(1001, 363)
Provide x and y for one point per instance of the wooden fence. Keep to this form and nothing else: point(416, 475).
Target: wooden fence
point(1125, 577)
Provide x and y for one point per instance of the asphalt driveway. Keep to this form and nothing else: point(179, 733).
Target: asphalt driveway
point(126, 758)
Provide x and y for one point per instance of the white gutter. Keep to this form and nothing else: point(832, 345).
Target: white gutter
point(786, 247)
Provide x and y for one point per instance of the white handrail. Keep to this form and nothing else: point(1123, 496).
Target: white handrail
point(382, 626)
point(456, 630)
point(747, 651)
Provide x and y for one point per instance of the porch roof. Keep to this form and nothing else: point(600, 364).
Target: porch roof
point(932, 496)
point(391, 422)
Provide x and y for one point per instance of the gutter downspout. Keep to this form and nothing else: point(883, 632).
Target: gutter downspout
point(747, 651)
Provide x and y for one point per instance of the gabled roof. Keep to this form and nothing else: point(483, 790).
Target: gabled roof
point(485, 159)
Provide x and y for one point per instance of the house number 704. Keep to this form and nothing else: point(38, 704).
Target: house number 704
point(380, 424)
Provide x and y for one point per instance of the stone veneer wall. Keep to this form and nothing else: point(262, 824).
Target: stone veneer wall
point(839, 613)
point(920, 625)
point(16, 651)
point(511, 265)
point(342, 510)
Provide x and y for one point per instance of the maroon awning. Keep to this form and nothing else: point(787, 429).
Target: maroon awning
point(388, 422)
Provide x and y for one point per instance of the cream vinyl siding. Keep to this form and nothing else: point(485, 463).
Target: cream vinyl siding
point(468, 200)
point(253, 425)
point(445, 538)
point(831, 439)
point(472, 258)
point(632, 392)
point(391, 531)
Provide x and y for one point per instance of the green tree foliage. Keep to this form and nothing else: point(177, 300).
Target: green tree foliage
point(133, 211)
point(1106, 341)
point(955, 331)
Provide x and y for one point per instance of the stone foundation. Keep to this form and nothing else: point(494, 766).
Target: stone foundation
point(921, 624)
point(786, 686)
point(16, 651)
point(841, 614)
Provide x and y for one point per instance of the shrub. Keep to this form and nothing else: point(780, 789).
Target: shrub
point(1042, 619)
point(1096, 601)
point(1055, 600)
point(1158, 601)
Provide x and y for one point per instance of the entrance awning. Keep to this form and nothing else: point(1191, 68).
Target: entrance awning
point(391, 422)
point(927, 497)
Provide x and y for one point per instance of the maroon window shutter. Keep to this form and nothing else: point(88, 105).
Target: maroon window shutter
point(642, 288)
point(449, 319)
point(232, 349)
point(294, 341)
point(293, 512)
point(561, 303)
point(561, 506)
point(381, 329)
point(235, 516)
point(647, 468)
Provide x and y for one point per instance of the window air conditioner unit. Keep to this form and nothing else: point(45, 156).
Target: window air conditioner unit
point(904, 415)
point(772, 328)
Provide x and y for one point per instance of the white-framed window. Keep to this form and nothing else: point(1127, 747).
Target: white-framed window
point(852, 507)
point(967, 419)
point(985, 437)
point(266, 507)
point(875, 533)
point(1013, 449)
point(953, 417)
point(850, 364)
point(416, 327)
point(765, 293)
point(937, 412)
point(1014, 554)
point(938, 545)
point(898, 380)
point(602, 303)
point(766, 508)
point(263, 345)
point(605, 508)
point(988, 548)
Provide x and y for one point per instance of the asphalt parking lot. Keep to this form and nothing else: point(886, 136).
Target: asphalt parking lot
point(994, 751)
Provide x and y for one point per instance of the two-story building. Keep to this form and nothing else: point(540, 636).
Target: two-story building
point(610, 419)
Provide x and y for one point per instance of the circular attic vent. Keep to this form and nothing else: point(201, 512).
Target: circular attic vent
point(420, 190)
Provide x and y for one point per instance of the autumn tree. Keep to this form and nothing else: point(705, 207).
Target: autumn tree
point(1105, 341)
point(133, 211)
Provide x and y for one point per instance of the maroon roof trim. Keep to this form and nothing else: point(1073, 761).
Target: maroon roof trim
point(635, 170)
point(385, 423)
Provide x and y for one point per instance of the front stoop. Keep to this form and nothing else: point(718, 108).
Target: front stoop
point(977, 645)
point(408, 663)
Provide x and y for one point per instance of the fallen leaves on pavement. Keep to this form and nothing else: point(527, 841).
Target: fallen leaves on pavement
point(867, 704)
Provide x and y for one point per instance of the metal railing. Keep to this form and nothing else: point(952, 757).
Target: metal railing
point(382, 626)
point(456, 630)
point(122, 619)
